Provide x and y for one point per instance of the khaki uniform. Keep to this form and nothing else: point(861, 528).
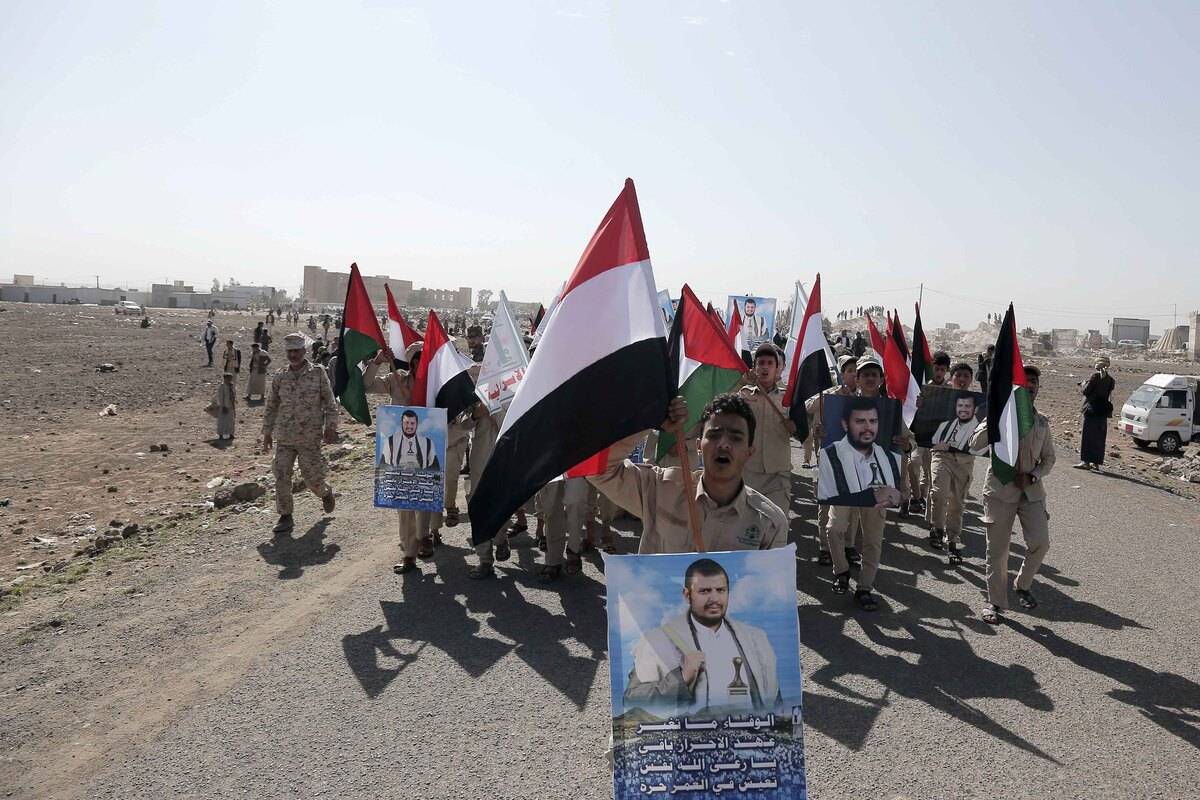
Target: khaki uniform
point(457, 437)
point(563, 505)
point(844, 523)
point(656, 495)
point(948, 491)
point(769, 470)
point(300, 406)
point(413, 525)
point(1003, 503)
point(483, 442)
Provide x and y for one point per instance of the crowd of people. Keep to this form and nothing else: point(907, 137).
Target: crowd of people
point(742, 488)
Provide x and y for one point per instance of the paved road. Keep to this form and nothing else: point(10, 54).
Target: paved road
point(312, 671)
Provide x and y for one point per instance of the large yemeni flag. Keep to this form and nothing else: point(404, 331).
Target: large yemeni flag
point(808, 371)
point(901, 384)
point(600, 374)
point(921, 361)
point(1010, 408)
point(442, 378)
point(877, 343)
point(359, 339)
point(705, 361)
point(400, 333)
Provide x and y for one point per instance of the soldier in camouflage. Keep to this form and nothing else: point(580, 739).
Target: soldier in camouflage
point(300, 414)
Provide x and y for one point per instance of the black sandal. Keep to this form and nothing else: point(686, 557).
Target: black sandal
point(990, 615)
point(954, 553)
point(852, 556)
point(1026, 599)
point(481, 571)
point(503, 551)
point(841, 583)
point(825, 558)
point(935, 538)
point(866, 601)
point(550, 573)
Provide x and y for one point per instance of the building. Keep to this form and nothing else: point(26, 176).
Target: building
point(24, 289)
point(1064, 338)
point(242, 297)
point(1123, 328)
point(322, 287)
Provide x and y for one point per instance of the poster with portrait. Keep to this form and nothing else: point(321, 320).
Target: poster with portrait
point(410, 458)
point(859, 464)
point(758, 318)
point(731, 726)
point(947, 417)
point(667, 306)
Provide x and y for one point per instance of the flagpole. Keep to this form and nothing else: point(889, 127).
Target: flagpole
point(689, 488)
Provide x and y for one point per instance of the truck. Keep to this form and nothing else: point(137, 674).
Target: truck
point(1163, 410)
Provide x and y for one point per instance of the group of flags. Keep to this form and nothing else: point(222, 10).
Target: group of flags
point(605, 368)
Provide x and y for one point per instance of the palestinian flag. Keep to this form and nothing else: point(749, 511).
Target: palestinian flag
point(1010, 408)
point(400, 333)
point(809, 369)
point(716, 315)
point(442, 378)
point(358, 340)
point(877, 343)
point(600, 374)
point(921, 360)
point(703, 361)
point(901, 385)
point(738, 338)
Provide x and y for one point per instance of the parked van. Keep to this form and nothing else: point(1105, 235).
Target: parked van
point(1165, 410)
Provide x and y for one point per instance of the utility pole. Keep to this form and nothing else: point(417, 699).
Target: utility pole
point(97, 281)
point(921, 295)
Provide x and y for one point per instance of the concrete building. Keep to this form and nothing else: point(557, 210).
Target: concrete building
point(24, 289)
point(1194, 336)
point(178, 295)
point(1137, 330)
point(1064, 338)
point(324, 287)
point(243, 297)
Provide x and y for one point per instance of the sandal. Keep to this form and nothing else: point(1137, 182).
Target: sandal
point(935, 538)
point(574, 563)
point(407, 565)
point(503, 551)
point(1026, 599)
point(990, 615)
point(866, 601)
point(451, 517)
point(481, 571)
point(550, 573)
point(426, 550)
point(852, 556)
point(437, 539)
point(841, 583)
point(954, 551)
point(825, 558)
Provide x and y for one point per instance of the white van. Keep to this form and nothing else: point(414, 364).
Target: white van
point(1164, 409)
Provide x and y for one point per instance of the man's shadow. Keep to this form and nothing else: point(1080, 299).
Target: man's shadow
point(293, 555)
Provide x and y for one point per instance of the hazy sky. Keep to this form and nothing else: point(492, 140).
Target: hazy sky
point(1045, 153)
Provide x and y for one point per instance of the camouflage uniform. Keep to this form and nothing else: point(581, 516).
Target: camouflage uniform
point(300, 407)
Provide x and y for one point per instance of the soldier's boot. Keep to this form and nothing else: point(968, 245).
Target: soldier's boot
point(284, 525)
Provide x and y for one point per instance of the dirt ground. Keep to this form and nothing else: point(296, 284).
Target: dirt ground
point(70, 474)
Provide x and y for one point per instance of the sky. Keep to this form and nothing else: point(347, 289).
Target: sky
point(1043, 153)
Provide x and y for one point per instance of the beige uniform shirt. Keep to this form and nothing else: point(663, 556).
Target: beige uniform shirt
point(657, 496)
point(1035, 456)
point(772, 441)
point(396, 385)
point(300, 406)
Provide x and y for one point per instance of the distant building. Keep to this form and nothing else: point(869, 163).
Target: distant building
point(324, 287)
point(1065, 338)
point(243, 297)
point(1125, 328)
point(24, 289)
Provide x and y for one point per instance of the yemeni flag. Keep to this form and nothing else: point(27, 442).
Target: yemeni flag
point(808, 371)
point(358, 340)
point(600, 374)
point(921, 360)
point(877, 343)
point(535, 321)
point(1010, 408)
point(400, 333)
point(442, 378)
point(901, 384)
point(703, 361)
